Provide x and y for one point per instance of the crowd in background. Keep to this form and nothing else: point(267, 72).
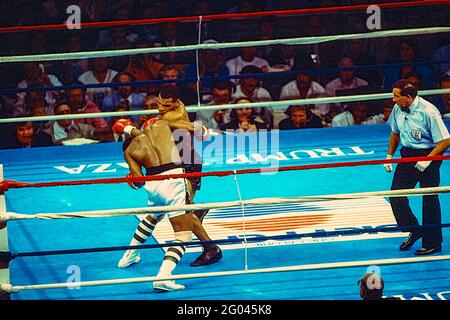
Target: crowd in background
point(248, 74)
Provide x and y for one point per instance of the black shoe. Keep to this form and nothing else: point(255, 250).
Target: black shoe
point(409, 242)
point(425, 251)
point(208, 257)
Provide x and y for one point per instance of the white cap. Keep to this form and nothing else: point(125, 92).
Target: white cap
point(210, 41)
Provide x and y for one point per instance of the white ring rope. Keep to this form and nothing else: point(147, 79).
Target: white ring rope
point(292, 41)
point(197, 60)
point(5, 216)
point(274, 104)
point(8, 288)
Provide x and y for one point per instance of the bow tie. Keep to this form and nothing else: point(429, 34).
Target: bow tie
point(406, 110)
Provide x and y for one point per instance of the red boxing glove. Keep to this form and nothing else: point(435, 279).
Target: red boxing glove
point(4, 186)
point(134, 185)
point(119, 126)
point(149, 122)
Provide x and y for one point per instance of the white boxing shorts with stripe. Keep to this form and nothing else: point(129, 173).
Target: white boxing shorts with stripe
point(168, 192)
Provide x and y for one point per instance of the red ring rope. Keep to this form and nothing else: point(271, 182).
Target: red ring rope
point(11, 184)
point(226, 16)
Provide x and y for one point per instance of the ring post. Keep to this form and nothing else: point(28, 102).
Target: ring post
point(4, 266)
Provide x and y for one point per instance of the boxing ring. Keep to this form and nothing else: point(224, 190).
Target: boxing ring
point(300, 216)
point(339, 282)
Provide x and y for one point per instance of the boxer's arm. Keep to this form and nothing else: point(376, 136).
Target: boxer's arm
point(135, 168)
point(135, 171)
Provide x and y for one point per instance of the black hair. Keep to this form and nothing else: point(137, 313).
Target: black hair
point(76, 83)
point(288, 111)
point(249, 69)
point(406, 87)
point(60, 103)
point(445, 77)
point(224, 84)
point(302, 62)
point(123, 73)
point(19, 124)
point(168, 91)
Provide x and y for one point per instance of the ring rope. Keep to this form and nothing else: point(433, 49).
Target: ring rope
point(5, 216)
point(197, 62)
point(332, 9)
point(8, 256)
point(8, 288)
point(255, 43)
point(11, 184)
point(274, 104)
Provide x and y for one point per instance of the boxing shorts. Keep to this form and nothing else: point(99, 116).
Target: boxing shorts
point(168, 192)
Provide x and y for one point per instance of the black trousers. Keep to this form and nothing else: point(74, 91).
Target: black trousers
point(406, 176)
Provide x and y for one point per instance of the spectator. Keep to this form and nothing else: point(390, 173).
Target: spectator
point(267, 31)
point(71, 69)
point(209, 29)
point(323, 54)
point(99, 73)
point(357, 50)
point(300, 117)
point(243, 119)
point(172, 37)
point(36, 77)
point(346, 79)
point(35, 100)
point(244, 6)
point(121, 38)
point(415, 79)
point(303, 87)
point(37, 106)
point(371, 286)
point(222, 92)
point(125, 92)
point(50, 11)
point(188, 96)
point(211, 64)
point(443, 102)
point(7, 104)
point(27, 135)
point(38, 44)
point(76, 98)
point(163, 9)
point(247, 57)
point(242, 27)
point(149, 32)
point(407, 54)
point(357, 114)
point(117, 37)
point(282, 58)
point(251, 88)
point(64, 130)
point(441, 54)
point(144, 67)
point(387, 106)
point(150, 103)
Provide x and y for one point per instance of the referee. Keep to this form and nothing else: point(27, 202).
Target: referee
point(418, 125)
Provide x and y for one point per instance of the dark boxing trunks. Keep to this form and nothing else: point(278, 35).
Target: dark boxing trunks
point(162, 168)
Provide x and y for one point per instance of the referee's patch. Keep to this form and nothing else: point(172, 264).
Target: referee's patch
point(416, 134)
